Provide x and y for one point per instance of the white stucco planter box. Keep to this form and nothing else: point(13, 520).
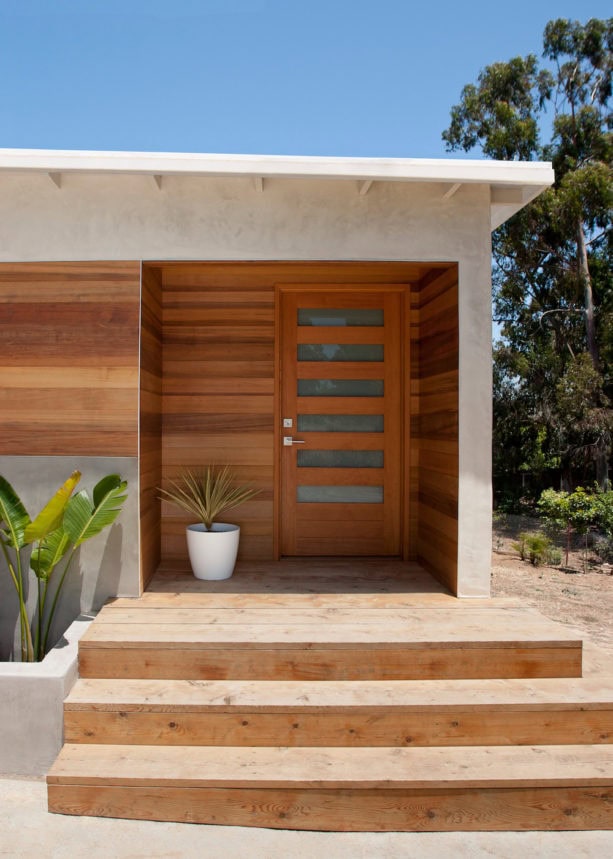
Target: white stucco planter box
point(31, 705)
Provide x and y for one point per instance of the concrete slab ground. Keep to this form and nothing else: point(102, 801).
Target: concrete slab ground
point(27, 830)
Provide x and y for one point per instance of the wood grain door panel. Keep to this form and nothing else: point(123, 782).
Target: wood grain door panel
point(341, 386)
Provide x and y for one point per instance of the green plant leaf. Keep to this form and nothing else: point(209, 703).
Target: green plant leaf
point(13, 514)
point(50, 551)
point(50, 517)
point(83, 520)
point(208, 493)
point(104, 486)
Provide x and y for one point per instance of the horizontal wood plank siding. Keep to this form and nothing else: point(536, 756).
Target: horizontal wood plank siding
point(434, 434)
point(150, 458)
point(219, 375)
point(69, 364)
point(218, 391)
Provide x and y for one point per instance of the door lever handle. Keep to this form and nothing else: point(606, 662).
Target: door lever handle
point(288, 441)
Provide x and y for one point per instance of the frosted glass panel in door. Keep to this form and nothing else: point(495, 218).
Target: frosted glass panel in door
point(348, 316)
point(340, 423)
point(340, 459)
point(340, 494)
point(340, 352)
point(340, 387)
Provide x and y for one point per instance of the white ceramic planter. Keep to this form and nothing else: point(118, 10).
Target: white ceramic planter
point(212, 554)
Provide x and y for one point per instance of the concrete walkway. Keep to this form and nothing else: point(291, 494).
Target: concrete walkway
point(28, 830)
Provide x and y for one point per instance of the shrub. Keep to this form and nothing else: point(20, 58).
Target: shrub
point(603, 503)
point(603, 549)
point(536, 547)
point(576, 512)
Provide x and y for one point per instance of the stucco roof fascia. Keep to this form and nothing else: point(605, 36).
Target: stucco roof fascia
point(527, 178)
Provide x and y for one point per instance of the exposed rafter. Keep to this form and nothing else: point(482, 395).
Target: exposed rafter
point(513, 184)
point(451, 190)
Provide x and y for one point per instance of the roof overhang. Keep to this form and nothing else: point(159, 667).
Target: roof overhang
point(512, 184)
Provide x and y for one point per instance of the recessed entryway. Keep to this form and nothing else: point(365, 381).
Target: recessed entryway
point(211, 392)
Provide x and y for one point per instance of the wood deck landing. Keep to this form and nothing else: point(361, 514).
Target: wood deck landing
point(335, 695)
point(307, 579)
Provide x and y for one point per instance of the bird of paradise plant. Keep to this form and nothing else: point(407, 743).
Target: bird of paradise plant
point(54, 535)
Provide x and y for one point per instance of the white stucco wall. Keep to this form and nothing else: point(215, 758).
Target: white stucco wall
point(112, 216)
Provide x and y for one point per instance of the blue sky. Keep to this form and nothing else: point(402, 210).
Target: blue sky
point(317, 77)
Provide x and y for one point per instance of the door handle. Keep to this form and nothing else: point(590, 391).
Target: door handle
point(288, 441)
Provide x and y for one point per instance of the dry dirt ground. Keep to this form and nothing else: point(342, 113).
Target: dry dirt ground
point(583, 600)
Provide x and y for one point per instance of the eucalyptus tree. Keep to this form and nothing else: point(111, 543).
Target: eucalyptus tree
point(552, 261)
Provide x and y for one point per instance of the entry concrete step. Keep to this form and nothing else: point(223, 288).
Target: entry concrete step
point(347, 713)
point(345, 789)
point(327, 644)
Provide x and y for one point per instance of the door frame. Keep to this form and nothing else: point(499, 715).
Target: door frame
point(404, 381)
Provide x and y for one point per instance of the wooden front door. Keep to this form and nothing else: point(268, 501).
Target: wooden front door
point(341, 420)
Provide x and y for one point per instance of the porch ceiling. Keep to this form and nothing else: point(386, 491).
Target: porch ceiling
point(512, 184)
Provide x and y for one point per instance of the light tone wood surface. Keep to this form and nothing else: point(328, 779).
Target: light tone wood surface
point(384, 728)
point(355, 581)
point(70, 359)
point(335, 768)
point(196, 734)
point(413, 627)
point(287, 662)
point(298, 622)
point(367, 697)
point(347, 810)
point(324, 713)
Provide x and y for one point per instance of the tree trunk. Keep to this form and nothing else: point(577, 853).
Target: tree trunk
point(588, 297)
point(600, 457)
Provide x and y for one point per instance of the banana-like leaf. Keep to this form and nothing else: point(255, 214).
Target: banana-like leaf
point(49, 552)
point(50, 517)
point(83, 520)
point(13, 514)
point(104, 486)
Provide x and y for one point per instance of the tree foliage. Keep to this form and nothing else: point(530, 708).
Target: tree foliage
point(552, 261)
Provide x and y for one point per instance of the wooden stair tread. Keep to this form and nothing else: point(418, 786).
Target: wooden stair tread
point(137, 695)
point(361, 768)
point(317, 615)
point(314, 628)
point(202, 597)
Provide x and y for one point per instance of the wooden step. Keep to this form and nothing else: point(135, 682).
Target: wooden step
point(343, 789)
point(348, 713)
point(327, 644)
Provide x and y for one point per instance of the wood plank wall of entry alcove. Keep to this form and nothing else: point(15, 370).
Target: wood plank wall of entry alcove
point(69, 364)
point(217, 331)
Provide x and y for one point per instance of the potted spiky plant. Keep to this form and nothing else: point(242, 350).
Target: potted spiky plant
point(207, 494)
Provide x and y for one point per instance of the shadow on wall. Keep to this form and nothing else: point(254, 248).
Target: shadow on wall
point(106, 566)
